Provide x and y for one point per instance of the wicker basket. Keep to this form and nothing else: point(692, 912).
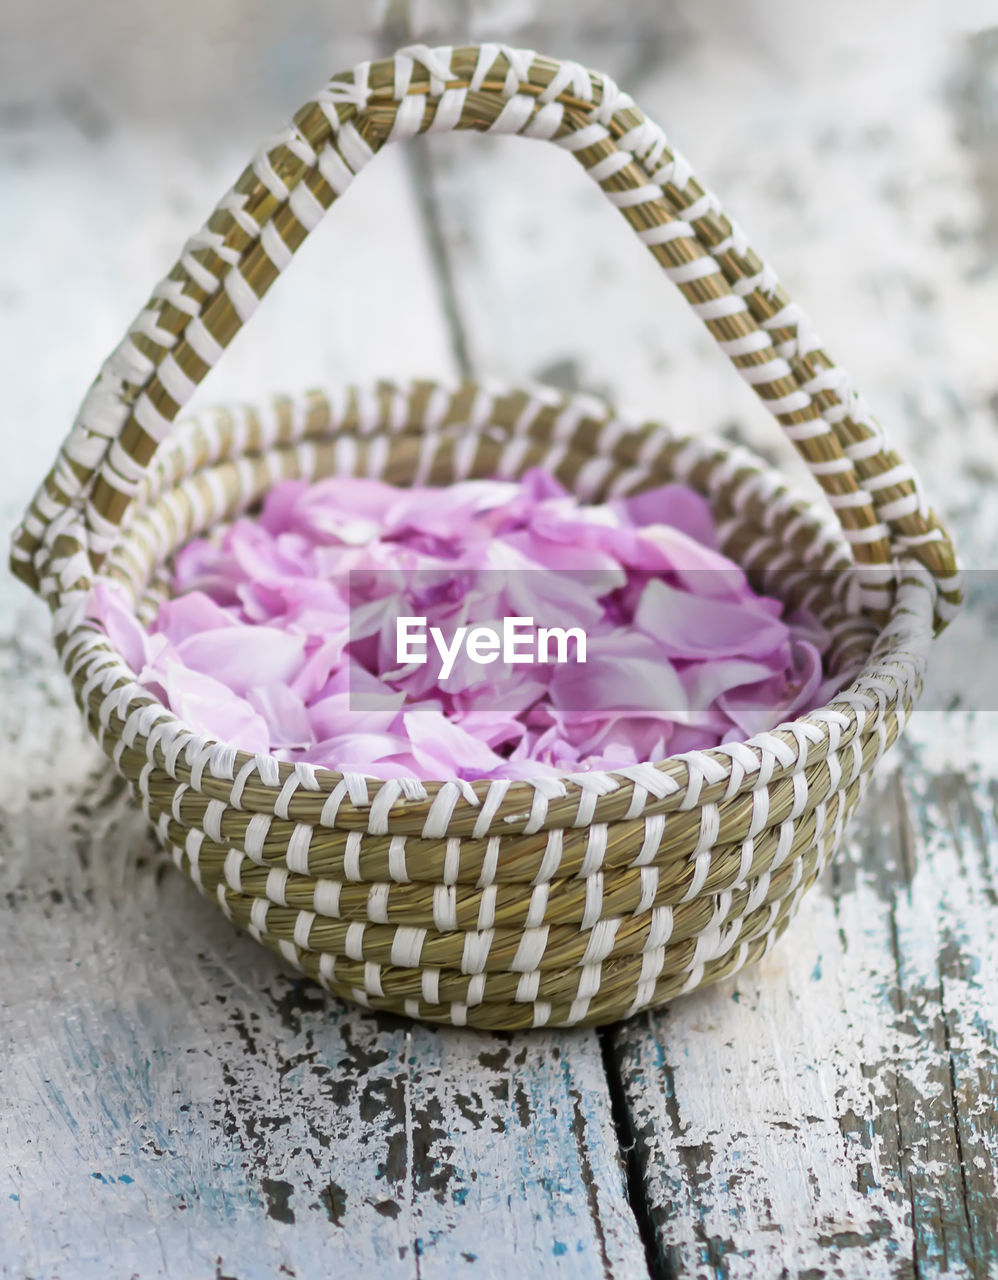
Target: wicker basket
point(578, 900)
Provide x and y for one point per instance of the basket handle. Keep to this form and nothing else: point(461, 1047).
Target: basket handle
point(227, 267)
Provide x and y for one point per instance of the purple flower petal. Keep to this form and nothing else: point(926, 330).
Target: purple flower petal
point(672, 505)
point(191, 615)
point(107, 606)
point(440, 745)
point(211, 708)
point(244, 656)
point(285, 713)
point(283, 633)
point(700, 628)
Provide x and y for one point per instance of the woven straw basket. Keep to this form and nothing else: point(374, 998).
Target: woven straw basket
point(494, 904)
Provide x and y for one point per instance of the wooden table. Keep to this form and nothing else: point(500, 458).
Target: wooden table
point(175, 1103)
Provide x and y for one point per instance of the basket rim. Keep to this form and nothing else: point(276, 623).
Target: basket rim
point(137, 718)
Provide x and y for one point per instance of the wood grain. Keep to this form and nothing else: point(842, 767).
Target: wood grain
point(175, 1104)
point(827, 1113)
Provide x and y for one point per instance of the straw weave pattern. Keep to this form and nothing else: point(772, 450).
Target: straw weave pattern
point(559, 901)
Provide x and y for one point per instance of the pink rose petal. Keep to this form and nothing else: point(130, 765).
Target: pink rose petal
point(244, 656)
point(281, 635)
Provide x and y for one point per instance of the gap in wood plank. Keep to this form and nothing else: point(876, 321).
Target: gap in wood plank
point(954, 1100)
point(424, 183)
point(910, 1000)
point(627, 1138)
point(427, 201)
point(397, 30)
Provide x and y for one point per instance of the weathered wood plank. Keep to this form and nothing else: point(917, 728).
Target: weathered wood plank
point(947, 934)
point(760, 1152)
point(828, 1113)
point(832, 1109)
point(866, 189)
point(174, 1102)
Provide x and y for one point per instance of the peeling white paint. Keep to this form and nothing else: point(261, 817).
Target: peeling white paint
point(831, 1109)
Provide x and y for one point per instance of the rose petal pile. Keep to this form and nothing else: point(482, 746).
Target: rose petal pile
point(281, 634)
